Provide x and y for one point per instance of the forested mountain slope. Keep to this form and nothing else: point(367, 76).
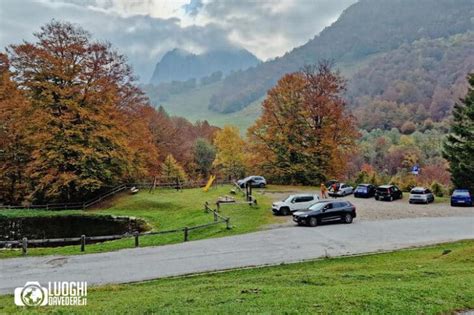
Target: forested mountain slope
point(418, 82)
point(367, 27)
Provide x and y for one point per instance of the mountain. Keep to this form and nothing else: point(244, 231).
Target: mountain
point(180, 65)
point(366, 28)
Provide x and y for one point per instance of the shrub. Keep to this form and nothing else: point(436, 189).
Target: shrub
point(437, 189)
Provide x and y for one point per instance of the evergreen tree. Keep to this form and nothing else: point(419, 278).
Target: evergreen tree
point(459, 145)
point(204, 155)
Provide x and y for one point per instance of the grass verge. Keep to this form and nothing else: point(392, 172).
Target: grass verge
point(165, 209)
point(431, 280)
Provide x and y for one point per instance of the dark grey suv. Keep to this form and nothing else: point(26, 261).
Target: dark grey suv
point(323, 211)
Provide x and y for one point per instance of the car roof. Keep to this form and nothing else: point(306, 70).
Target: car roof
point(461, 190)
point(385, 186)
point(302, 195)
point(365, 185)
point(419, 188)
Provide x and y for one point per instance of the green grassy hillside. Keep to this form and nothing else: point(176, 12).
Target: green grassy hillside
point(193, 105)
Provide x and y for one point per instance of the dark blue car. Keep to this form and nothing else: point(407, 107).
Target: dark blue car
point(461, 197)
point(364, 191)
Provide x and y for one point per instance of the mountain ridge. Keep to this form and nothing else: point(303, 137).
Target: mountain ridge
point(181, 65)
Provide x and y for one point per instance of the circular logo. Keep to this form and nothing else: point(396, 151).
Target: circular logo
point(32, 295)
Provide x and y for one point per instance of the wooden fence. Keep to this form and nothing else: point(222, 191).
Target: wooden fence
point(82, 240)
point(89, 203)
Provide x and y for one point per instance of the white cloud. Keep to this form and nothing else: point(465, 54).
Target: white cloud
point(145, 29)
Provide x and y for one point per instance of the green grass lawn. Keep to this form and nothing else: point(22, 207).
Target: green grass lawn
point(165, 209)
point(431, 280)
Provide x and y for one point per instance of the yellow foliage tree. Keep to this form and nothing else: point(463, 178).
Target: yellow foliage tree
point(230, 156)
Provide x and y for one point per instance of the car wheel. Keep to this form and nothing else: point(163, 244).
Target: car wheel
point(391, 198)
point(262, 185)
point(313, 222)
point(285, 211)
point(452, 204)
point(377, 198)
point(348, 218)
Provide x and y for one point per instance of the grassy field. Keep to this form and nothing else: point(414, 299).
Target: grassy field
point(165, 209)
point(432, 280)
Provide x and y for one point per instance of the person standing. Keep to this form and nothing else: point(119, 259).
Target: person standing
point(324, 191)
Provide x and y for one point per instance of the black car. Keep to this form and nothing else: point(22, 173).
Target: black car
point(323, 211)
point(364, 191)
point(388, 192)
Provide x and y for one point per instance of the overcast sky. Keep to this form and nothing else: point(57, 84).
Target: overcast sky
point(144, 30)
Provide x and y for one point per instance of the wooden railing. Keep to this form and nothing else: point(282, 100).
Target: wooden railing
point(83, 239)
point(89, 203)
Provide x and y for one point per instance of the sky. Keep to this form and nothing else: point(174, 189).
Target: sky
point(144, 30)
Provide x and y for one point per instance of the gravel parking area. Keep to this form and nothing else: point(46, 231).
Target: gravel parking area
point(372, 210)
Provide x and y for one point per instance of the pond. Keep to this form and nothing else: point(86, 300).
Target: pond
point(65, 226)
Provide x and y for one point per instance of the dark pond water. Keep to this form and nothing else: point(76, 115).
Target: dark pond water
point(47, 227)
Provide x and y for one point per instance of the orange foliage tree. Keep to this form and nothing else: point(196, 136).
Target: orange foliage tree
point(304, 134)
point(85, 110)
point(14, 146)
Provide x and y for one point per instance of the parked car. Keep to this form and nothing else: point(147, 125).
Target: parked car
point(331, 182)
point(324, 211)
point(294, 203)
point(342, 190)
point(364, 191)
point(255, 181)
point(461, 197)
point(388, 192)
point(421, 195)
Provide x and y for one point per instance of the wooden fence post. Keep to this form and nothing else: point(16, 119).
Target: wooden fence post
point(215, 216)
point(24, 246)
point(136, 234)
point(227, 223)
point(186, 234)
point(83, 243)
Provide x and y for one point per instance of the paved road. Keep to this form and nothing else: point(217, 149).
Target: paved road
point(267, 247)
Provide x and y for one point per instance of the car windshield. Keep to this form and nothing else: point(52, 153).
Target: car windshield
point(417, 192)
point(361, 189)
point(461, 193)
point(318, 206)
point(288, 199)
point(382, 189)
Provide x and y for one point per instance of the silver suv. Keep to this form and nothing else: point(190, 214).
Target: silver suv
point(294, 203)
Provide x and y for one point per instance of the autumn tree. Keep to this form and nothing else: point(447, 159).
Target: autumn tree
point(14, 146)
point(304, 134)
point(171, 171)
point(459, 145)
point(230, 155)
point(84, 110)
